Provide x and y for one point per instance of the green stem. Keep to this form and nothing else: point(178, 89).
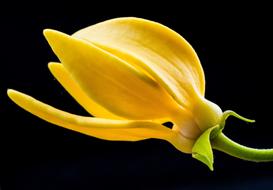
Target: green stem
point(224, 144)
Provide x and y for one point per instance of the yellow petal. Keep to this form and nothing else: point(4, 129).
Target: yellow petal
point(62, 75)
point(110, 81)
point(160, 51)
point(123, 130)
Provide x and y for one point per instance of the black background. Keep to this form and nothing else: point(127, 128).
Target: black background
point(235, 48)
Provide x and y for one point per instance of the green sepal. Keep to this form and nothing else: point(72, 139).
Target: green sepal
point(223, 119)
point(228, 113)
point(202, 149)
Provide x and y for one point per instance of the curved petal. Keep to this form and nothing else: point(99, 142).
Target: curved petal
point(66, 80)
point(160, 51)
point(123, 130)
point(110, 81)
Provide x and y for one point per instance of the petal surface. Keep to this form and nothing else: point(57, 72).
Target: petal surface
point(111, 82)
point(108, 129)
point(158, 50)
point(66, 80)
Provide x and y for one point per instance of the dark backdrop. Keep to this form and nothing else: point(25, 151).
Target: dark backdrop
point(235, 48)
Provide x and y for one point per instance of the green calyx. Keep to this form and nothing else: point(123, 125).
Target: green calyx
point(213, 138)
point(202, 149)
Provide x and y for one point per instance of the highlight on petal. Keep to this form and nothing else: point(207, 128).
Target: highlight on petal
point(66, 80)
point(108, 129)
point(111, 82)
point(158, 50)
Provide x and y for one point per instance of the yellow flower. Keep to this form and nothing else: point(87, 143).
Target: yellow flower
point(132, 75)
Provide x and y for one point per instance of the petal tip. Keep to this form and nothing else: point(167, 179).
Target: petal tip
point(11, 92)
point(52, 65)
point(59, 42)
point(49, 32)
point(55, 37)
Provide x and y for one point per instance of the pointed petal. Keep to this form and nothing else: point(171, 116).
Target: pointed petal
point(66, 80)
point(108, 129)
point(101, 128)
point(110, 81)
point(158, 50)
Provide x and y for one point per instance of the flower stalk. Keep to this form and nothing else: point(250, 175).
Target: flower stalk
point(226, 145)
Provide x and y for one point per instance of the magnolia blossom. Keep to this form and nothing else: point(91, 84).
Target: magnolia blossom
point(132, 75)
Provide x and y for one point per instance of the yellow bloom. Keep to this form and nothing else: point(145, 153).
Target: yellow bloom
point(132, 75)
